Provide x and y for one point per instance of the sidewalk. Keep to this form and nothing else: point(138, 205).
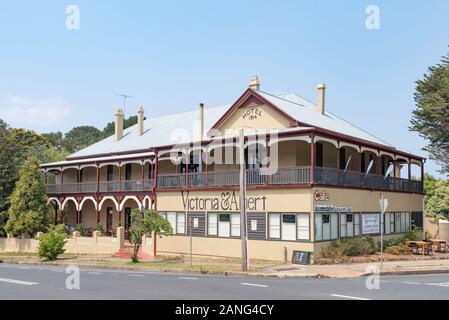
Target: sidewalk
point(232, 268)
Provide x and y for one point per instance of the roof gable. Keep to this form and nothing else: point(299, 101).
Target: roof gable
point(253, 111)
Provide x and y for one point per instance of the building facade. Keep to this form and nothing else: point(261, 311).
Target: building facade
point(311, 177)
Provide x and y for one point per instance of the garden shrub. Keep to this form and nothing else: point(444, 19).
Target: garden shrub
point(99, 227)
point(358, 246)
point(81, 229)
point(51, 244)
point(397, 250)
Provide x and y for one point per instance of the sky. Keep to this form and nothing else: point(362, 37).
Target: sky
point(172, 55)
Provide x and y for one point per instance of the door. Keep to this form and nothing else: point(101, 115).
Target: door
point(127, 218)
point(109, 219)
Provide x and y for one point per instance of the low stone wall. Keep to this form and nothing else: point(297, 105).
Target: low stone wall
point(75, 244)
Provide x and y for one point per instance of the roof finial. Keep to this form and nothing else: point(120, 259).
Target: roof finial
point(254, 84)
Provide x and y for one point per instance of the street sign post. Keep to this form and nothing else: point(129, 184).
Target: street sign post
point(383, 203)
point(190, 233)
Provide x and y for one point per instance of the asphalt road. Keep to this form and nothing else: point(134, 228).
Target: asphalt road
point(47, 282)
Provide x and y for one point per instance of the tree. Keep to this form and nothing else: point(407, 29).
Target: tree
point(110, 127)
point(55, 138)
point(29, 212)
point(144, 222)
point(16, 146)
point(431, 116)
point(80, 137)
point(438, 204)
point(51, 244)
point(430, 186)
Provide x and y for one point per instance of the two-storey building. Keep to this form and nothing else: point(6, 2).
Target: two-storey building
point(311, 177)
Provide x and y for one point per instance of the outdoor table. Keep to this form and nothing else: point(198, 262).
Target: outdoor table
point(422, 244)
point(440, 243)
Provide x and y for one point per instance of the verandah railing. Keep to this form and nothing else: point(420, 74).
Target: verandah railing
point(281, 176)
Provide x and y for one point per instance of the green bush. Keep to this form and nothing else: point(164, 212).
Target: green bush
point(99, 227)
point(397, 250)
point(81, 229)
point(413, 235)
point(51, 244)
point(358, 246)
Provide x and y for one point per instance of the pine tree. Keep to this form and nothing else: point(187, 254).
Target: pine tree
point(29, 212)
point(431, 116)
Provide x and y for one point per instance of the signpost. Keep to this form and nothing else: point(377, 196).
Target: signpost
point(383, 207)
point(190, 233)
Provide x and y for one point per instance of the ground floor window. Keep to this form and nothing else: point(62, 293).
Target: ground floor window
point(223, 224)
point(177, 221)
point(288, 226)
point(326, 226)
point(349, 224)
point(397, 222)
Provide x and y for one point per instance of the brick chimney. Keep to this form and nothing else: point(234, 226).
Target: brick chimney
point(321, 89)
point(118, 124)
point(140, 119)
point(254, 84)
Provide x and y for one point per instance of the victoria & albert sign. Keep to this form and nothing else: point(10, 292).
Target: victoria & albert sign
point(225, 201)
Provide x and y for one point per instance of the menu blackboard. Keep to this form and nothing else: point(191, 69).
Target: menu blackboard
point(300, 257)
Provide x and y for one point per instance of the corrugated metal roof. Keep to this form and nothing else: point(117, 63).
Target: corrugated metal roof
point(181, 128)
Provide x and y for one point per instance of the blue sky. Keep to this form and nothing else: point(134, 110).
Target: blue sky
point(172, 55)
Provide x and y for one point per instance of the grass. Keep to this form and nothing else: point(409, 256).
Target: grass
point(173, 265)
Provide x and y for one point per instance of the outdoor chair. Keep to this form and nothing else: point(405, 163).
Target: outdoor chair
point(414, 248)
point(428, 249)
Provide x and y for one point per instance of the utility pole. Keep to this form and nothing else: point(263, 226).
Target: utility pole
point(243, 224)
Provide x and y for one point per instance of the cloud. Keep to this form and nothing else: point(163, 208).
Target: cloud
point(30, 113)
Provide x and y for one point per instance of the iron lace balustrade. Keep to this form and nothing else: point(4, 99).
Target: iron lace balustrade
point(335, 177)
point(294, 175)
point(104, 186)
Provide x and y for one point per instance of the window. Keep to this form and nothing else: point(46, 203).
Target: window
point(303, 226)
point(342, 158)
point(326, 226)
point(224, 225)
point(235, 225)
point(212, 225)
point(180, 223)
point(288, 231)
point(128, 171)
point(398, 222)
point(177, 221)
point(356, 224)
point(319, 154)
point(346, 225)
point(289, 226)
point(110, 173)
point(274, 224)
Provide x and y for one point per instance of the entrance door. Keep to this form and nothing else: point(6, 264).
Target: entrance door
point(109, 219)
point(127, 218)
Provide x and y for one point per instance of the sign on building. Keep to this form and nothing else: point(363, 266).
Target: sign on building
point(370, 223)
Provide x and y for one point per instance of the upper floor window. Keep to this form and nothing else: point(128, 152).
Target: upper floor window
point(110, 173)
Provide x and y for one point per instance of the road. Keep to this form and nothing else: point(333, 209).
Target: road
point(48, 282)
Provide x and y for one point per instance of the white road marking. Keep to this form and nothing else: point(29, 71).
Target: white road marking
point(25, 283)
point(410, 282)
point(348, 297)
point(136, 275)
point(187, 278)
point(54, 270)
point(442, 284)
point(254, 285)
point(24, 268)
point(94, 273)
